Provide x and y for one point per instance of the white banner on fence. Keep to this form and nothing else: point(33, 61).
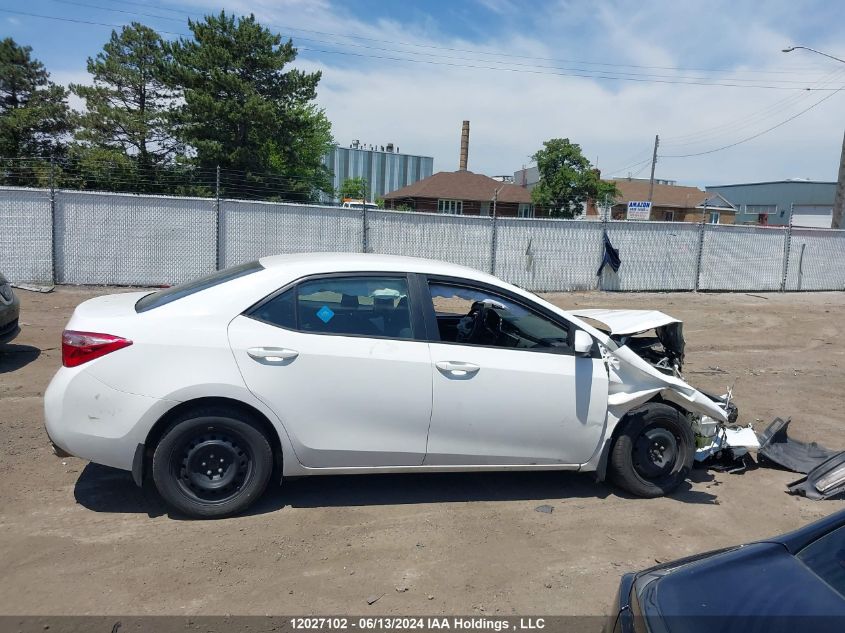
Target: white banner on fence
point(639, 210)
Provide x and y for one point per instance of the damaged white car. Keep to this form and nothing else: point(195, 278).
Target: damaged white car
point(339, 363)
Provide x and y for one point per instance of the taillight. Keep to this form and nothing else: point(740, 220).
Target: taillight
point(81, 347)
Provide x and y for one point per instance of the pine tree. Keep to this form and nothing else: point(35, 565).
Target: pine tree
point(244, 111)
point(129, 106)
point(34, 115)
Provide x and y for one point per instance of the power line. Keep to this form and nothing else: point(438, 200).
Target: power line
point(759, 134)
point(563, 74)
point(488, 53)
point(803, 82)
point(768, 112)
point(580, 74)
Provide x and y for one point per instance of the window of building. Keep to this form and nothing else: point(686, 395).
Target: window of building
point(356, 306)
point(714, 217)
point(669, 216)
point(484, 209)
point(473, 316)
point(526, 210)
point(450, 207)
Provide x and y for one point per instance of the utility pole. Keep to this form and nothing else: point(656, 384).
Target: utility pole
point(217, 257)
point(653, 163)
point(493, 232)
point(839, 202)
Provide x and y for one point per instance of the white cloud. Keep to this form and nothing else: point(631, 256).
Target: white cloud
point(420, 106)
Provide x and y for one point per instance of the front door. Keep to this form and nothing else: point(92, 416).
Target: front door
point(337, 361)
point(508, 388)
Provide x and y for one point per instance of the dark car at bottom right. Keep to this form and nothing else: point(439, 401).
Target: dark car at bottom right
point(790, 583)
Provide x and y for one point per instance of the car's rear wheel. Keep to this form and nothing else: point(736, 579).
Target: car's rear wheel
point(653, 452)
point(211, 464)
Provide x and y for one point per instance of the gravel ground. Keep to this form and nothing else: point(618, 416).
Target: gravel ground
point(77, 538)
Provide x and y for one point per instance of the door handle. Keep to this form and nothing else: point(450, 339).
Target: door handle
point(276, 355)
point(457, 368)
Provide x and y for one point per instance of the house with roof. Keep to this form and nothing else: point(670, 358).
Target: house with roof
point(462, 192)
point(671, 202)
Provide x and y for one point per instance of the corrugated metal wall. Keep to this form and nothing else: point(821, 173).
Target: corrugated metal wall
point(383, 171)
point(124, 239)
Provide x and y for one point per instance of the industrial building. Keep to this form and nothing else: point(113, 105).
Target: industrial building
point(382, 166)
point(807, 202)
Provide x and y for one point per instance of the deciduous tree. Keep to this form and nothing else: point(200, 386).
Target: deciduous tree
point(567, 179)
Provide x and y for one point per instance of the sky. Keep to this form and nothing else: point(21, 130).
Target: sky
point(709, 78)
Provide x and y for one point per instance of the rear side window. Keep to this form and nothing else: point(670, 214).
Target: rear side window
point(354, 306)
point(168, 295)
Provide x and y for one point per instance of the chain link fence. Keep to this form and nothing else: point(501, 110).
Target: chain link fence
point(26, 235)
point(79, 237)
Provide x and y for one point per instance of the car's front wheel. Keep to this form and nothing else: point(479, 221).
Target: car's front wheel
point(653, 452)
point(212, 464)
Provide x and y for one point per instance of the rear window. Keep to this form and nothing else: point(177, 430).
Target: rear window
point(826, 558)
point(168, 295)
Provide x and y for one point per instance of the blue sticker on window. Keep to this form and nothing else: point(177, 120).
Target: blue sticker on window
point(325, 314)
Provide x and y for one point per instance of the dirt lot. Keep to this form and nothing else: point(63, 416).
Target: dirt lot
point(81, 539)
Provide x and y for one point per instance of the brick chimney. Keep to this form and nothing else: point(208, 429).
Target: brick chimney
point(464, 146)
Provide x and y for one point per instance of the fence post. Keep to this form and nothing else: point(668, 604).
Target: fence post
point(217, 223)
point(493, 236)
point(365, 230)
point(53, 245)
point(787, 245)
point(699, 254)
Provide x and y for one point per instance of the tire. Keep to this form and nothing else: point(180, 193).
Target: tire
point(654, 451)
point(182, 463)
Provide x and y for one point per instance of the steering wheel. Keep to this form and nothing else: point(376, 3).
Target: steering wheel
point(481, 326)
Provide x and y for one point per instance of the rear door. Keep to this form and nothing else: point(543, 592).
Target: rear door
point(339, 361)
point(508, 390)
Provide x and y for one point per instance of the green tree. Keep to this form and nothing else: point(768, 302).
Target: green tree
point(129, 105)
point(567, 179)
point(34, 115)
point(353, 188)
point(243, 110)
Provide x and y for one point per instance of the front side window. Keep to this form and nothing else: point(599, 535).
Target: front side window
point(714, 217)
point(450, 207)
point(354, 306)
point(474, 316)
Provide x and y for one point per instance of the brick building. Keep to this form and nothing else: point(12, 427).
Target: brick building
point(462, 193)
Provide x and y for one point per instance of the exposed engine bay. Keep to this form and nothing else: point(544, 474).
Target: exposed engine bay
point(664, 350)
point(654, 336)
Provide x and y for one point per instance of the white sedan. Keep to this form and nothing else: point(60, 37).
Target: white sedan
point(341, 363)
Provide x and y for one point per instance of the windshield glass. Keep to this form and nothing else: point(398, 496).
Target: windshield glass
point(826, 558)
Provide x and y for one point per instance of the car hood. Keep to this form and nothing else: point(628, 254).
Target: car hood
point(720, 592)
point(627, 321)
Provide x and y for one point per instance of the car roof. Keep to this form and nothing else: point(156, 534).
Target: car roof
point(372, 262)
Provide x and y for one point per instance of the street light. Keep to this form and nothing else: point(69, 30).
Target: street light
point(812, 50)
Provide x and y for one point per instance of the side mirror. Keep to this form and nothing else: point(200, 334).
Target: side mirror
point(583, 343)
